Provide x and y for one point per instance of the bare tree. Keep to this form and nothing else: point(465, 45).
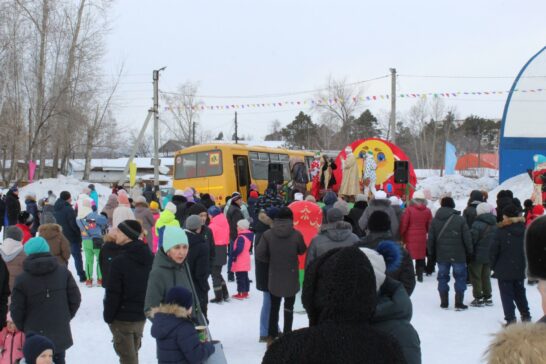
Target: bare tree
point(184, 111)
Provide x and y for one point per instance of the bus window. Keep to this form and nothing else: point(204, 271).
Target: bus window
point(259, 169)
point(274, 157)
point(202, 164)
point(284, 158)
point(263, 156)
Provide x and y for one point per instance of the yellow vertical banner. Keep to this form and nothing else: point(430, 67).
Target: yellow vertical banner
point(132, 174)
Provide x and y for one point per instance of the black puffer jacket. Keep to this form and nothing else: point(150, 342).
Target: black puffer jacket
point(406, 273)
point(455, 243)
point(45, 298)
point(13, 208)
point(355, 214)
point(4, 293)
point(108, 252)
point(339, 316)
point(469, 213)
point(66, 217)
point(337, 235)
point(233, 215)
point(199, 263)
point(483, 232)
point(126, 289)
point(507, 252)
point(262, 268)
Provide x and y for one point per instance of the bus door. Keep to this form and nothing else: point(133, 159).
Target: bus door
point(242, 174)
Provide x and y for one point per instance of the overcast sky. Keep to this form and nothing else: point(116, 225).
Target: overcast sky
point(244, 48)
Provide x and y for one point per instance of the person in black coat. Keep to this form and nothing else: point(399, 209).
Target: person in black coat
point(379, 226)
point(504, 198)
point(4, 293)
point(13, 207)
point(356, 213)
point(66, 218)
point(108, 252)
point(32, 208)
point(198, 260)
point(507, 259)
point(339, 316)
point(2, 211)
point(469, 213)
point(200, 210)
point(126, 291)
point(45, 297)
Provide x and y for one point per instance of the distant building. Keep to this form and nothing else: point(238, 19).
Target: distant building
point(171, 147)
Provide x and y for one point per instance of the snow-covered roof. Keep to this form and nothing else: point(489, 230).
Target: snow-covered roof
point(118, 164)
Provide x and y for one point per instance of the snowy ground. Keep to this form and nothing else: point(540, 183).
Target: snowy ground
point(446, 336)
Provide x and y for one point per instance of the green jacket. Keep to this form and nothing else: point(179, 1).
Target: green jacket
point(393, 315)
point(455, 242)
point(483, 233)
point(165, 275)
point(166, 218)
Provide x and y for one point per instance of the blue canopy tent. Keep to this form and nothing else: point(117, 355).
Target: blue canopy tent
point(523, 130)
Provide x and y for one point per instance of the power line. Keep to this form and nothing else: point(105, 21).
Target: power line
point(469, 77)
point(274, 94)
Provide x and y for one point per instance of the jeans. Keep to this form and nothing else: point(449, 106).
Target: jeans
point(127, 340)
point(274, 315)
point(459, 273)
point(264, 314)
point(480, 277)
point(510, 292)
point(243, 284)
point(76, 250)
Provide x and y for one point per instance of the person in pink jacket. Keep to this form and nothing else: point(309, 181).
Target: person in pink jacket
point(414, 229)
point(154, 208)
point(220, 232)
point(11, 343)
point(240, 257)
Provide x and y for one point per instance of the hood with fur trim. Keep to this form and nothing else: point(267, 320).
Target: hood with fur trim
point(262, 216)
point(166, 319)
point(518, 343)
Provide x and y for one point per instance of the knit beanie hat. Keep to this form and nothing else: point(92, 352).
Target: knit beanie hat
point(196, 209)
point(235, 196)
point(419, 195)
point(13, 232)
point(171, 207)
point(193, 222)
point(339, 284)
point(342, 206)
point(35, 345)
point(36, 245)
point(214, 210)
point(180, 296)
point(173, 236)
point(378, 264)
point(379, 221)
point(154, 205)
point(510, 211)
point(483, 208)
point(535, 248)
point(334, 215)
point(380, 195)
point(131, 228)
point(243, 224)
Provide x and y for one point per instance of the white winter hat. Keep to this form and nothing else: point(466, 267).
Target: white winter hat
point(419, 195)
point(378, 264)
point(171, 207)
point(395, 201)
point(298, 196)
point(243, 224)
point(179, 193)
point(483, 208)
point(360, 197)
point(380, 195)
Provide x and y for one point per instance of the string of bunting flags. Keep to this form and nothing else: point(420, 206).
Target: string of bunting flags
point(324, 101)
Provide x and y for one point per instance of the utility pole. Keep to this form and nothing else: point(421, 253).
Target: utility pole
point(236, 136)
point(193, 133)
point(29, 134)
point(392, 126)
point(156, 127)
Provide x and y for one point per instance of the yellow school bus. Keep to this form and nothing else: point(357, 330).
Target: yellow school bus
point(221, 169)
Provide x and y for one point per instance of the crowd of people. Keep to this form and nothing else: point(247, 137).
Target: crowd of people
point(357, 265)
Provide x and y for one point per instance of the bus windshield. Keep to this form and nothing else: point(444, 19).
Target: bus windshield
point(201, 164)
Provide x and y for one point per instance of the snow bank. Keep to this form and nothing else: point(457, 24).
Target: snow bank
point(62, 183)
point(456, 186)
point(521, 185)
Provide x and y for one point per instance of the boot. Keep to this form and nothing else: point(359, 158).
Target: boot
point(420, 274)
point(478, 302)
point(510, 322)
point(459, 305)
point(526, 317)
point(487, 301)
point(444, 299)
point(225, 293)
point(218, 296)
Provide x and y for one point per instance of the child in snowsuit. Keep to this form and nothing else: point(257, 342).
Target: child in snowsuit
point(11, 343)
point(240, 256)
point(176, 337)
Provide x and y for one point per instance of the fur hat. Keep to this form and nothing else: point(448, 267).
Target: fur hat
point(379, 221)
point(65, 195)
point(342, 206)
point(334, 215)
point(36, 245)
point(180, 296)
point(510, 210)
point(171, 207)
point(518, 343)
point(285, 213)
point(535, 248)
point(243, 224)
point(447, 202)
point(13, 232)
point(193, 222)
point(340, 285)
point(35, 345)
point(484, 208)
point(173, 236)
point(131, 228)
point(380, 195)
point(214, 210)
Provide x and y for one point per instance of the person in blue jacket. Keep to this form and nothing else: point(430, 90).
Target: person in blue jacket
point(93, 194)
point(175, 334)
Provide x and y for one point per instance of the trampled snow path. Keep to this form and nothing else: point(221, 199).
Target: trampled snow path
point(446, 336)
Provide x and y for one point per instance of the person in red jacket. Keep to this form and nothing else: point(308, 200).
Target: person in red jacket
point(536, 211)
point(414, 229)
point(24, 222)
